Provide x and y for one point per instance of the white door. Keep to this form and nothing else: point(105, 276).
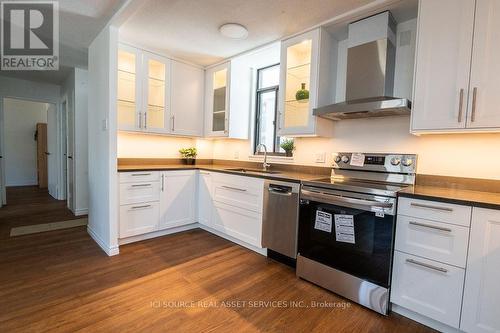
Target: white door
point(205, 202)
point(178, 190)
point(155, 93)
point(485, 72)
point(70, 157)
point(52, 150)
point(443, 58)
point(187, 99)
point(481, 312)
point(298, 71)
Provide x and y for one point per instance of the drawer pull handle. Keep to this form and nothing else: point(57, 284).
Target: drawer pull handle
point(418, 263)
point(141, 185)
point(234, 188)
point(430, 226)
point(140, 174)
point(139, 207)
point(446, 209)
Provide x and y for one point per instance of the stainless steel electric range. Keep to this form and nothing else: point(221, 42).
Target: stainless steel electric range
point(347, 224)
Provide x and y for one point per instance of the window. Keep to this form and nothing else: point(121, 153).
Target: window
point(266, 109)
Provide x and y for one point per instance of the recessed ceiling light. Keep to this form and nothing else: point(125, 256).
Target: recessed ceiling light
point(233, 31)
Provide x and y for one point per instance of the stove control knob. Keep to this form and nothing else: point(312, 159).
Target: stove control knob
point(407, 162)
point(337, 159)
point(395, 161)
point(345, 159)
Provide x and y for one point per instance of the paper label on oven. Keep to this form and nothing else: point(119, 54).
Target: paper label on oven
point(357, 159)
point(323, 221)
point(344, 228)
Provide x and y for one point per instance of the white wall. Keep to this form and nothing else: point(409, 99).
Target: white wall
point(20, 119)
point(102, 140)
point(75, 90)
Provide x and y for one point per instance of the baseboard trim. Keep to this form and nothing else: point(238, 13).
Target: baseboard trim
point(234, 240)
point(155, 234)
point(81, 211)
point(434, 324)
point(109, 250)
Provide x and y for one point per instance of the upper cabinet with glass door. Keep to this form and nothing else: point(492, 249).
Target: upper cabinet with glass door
point(299, 86)
point(143, 91)
point(217, 100)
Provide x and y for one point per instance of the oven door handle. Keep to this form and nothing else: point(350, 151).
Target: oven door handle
point(335, 199)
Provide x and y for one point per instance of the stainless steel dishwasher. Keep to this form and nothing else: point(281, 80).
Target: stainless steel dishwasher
point(280, 218)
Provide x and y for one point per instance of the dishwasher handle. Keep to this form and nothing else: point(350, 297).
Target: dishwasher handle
point(280, 190)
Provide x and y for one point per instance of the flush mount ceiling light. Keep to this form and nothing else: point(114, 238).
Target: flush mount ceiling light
point(233, 31)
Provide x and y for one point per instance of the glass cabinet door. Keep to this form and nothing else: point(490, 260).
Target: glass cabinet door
point(298, 61)
point(155, 109)
point(219, 106)
point(127, 104)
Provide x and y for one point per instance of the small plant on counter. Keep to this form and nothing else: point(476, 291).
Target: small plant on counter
point(288, 146)
point(189, 155)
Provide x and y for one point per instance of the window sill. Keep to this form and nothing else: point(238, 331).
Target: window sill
point(271, 158)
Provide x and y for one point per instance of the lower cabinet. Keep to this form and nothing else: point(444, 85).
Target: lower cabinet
point(427, 287)
point(177, 198)
point(481, 310)
point(137, 219)
point(204, 211)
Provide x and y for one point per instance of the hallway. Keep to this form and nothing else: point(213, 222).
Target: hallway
point(29, 205)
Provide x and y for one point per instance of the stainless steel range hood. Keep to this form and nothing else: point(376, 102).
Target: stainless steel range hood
point(371, 58)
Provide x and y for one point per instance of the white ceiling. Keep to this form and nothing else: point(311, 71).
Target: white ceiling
point(79, 23)
point(188, 29)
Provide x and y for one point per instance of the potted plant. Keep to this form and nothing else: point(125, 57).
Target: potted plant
point(189, 155)
point(288, 146)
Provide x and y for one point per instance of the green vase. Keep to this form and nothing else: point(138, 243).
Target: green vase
point(302, 94)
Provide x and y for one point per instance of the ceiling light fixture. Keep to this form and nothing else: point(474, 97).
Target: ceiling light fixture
point(233, 31)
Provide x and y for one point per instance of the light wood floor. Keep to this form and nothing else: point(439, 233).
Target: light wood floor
point(61, 281)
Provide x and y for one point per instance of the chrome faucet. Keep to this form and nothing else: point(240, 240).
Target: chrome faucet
point(265, 165)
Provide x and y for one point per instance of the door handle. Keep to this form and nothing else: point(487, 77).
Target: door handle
point(283, 193)
point(474, 102)
point(461, 105)
point(425, 225)
point(146, 120)
point(418, 205)
point(173, 123)
point(47, 153)
point(234, 188)
point(418, 263)
point(140, 119)
point(70, 157)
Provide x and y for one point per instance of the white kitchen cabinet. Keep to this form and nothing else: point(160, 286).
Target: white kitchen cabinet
point(187, 99)
point(481, 312)
point(205, 204)
point(457, 73)
point(484, 97)
point(436, 211)
point(137, 219)
point(143, 91)
point(217, 90)
point(300, 67)
point(177, 198)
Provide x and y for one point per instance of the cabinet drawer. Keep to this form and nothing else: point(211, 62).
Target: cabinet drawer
point(242, 192)
point(139, 176)
point(433, 240)
point(131, 193)
point(239, 223)
point(428, 287)
point(139, 219)
point(436, 211)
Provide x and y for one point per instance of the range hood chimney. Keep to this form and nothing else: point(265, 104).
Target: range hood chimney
point(371, 59)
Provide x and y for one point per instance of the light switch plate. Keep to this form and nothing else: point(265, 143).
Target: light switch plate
point(320, 157)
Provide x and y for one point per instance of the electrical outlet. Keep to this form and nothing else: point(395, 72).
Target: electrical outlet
point(320, 157)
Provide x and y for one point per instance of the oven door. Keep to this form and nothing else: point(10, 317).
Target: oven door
point(350, 232)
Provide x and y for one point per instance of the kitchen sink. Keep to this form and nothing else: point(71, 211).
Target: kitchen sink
point(244, 170)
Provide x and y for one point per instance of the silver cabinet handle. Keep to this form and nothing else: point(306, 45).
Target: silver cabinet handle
point(234, 188)
point(285, 194)
point(226, 125)
point(173, 123)
point(474, 102)
point(461, 105)
point(140, 174)
point(145, 120)
point(162, 183)
point(141, 185)
point(430, 226)
point(140, 119)
point(418, 263)
point(140, 207)
point(446, 209)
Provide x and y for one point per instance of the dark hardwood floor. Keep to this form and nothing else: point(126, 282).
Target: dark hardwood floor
point(61, 281)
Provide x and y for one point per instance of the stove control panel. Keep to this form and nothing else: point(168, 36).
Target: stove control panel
point(396, 163)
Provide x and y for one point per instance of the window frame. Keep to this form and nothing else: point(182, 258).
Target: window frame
point(258, 93)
